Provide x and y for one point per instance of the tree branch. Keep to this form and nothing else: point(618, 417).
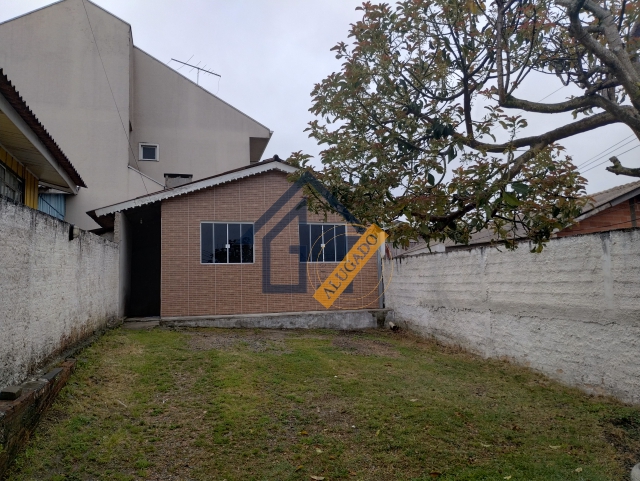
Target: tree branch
point(499, 59)
point(615, 57)
point(618, 169)
point(511, 102)
point(569, 130)
point(624, 113)
point(465, 209)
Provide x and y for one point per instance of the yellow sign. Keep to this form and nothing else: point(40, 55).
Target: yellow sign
point(347, 270)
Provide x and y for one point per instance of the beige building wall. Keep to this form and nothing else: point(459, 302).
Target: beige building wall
point(51, 57)
point(197, 133)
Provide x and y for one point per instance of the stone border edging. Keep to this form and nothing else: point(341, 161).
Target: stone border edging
point(19, 417)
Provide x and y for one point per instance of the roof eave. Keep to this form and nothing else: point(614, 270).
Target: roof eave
point(612, 203)
point(18, 112)
point(193, 187)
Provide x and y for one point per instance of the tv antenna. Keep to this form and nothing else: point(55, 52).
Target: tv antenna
point(197, 68)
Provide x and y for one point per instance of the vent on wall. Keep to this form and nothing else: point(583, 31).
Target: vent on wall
point(176, 180)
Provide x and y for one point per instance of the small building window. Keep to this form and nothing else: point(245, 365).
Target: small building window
point(323, 242)
point(222, 243)
point(11, 186)
point(149, 152)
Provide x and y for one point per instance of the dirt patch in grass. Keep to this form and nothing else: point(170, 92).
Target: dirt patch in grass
point(209, 404)
point(255, 341)
point(357, 343)
point(623, 431)
point(365, 347)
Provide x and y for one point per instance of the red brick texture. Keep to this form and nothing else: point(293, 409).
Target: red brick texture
point(620, 216)
point(190, 288)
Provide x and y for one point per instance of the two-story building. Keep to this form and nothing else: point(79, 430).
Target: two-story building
point(132, 124)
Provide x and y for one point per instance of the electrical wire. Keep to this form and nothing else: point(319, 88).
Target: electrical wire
point(601, 163)
point(113, 96)
point(551, 93)
point(600, 153)
point(606, 152)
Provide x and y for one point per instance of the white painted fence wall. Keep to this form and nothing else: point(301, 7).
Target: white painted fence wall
point(53, 292)
point(572, 312)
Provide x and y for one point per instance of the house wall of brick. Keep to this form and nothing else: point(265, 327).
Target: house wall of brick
point(570, 312)
point(621, 216)
point(190, 288)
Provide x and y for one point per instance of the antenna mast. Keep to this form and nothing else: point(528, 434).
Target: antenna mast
point(199, 69)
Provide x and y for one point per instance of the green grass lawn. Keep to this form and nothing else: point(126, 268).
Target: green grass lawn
point(274, 405)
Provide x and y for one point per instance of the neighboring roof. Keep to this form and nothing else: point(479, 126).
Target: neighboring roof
point(600, 201)
point(15, 140)
point(609, 198)
point(484, 237)
point(230, 176)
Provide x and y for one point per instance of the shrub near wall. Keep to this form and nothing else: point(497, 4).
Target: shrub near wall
point(53, 292)
point(572, 312)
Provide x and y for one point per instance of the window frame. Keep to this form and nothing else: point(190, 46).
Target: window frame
point(148, 144)
point(253, 251)
point(8, 173)
point(324, 224)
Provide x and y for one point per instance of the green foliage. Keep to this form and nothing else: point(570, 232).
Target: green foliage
point(415, 130)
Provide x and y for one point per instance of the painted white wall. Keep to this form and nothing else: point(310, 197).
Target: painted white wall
point(53, 292)
point(51, 57)
point(198, 133)
point(572, 312)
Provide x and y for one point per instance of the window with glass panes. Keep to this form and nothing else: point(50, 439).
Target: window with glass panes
point(10, 185)
point(323, 242)
point(226, 243)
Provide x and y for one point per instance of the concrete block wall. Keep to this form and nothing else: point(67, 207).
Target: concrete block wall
point(572, 312)
point(53, 292)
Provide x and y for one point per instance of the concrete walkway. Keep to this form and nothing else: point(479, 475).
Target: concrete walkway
point(139, 323)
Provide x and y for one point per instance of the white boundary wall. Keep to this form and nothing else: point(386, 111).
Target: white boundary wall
point(53, 292)
point(572, 312)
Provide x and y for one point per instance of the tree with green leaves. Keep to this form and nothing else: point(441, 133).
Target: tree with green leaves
point(423, 128)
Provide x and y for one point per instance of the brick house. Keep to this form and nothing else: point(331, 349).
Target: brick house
point(612, 209)
point(236, 243)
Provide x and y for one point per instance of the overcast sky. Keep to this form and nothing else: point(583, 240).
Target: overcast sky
point(270, 53)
